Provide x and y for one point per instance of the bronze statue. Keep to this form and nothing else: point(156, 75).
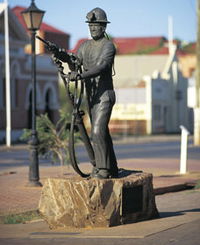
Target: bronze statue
point(96, 57)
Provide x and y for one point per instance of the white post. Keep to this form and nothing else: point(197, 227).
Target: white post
point(197, 126)
point(183, 155)
point(149, 117)
point(7, 67)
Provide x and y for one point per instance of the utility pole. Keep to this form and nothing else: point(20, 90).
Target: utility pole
point(7, 66)
point(170, 34)
point(197, 85)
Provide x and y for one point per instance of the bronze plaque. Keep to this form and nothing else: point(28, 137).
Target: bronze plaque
point(132, 199)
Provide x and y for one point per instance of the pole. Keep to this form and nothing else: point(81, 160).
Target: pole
point(34, 163)
point(197, 85)
point(7, 71)
point(170, 34)
point(183, 157)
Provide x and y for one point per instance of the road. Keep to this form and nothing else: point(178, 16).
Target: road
point(16, 157)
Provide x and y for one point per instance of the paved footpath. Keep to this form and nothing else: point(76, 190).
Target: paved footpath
point(180, 213)
point(178, 224)
point(16, 197)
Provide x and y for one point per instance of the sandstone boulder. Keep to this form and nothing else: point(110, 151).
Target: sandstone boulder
point(79, 202)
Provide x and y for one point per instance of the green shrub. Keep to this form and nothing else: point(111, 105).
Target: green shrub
point(53, 139)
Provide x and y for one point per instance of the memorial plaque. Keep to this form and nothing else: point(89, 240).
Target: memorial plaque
point(132, 199)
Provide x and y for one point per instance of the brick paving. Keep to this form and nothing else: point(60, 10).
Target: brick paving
point(16, 197)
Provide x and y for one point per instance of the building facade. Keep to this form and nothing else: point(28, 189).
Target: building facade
point(47, 92)
point(151, 95)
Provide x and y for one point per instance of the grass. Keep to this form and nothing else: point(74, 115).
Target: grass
point(197, 186)
point(20, 218)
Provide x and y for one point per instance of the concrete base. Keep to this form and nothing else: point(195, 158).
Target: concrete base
point(78, 202)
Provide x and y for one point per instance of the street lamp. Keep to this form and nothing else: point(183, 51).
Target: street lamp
point(33, 18)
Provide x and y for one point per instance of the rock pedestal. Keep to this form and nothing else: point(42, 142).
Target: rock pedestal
point(79, 202)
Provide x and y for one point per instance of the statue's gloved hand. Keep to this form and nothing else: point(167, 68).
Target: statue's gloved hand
point(52, 47)
point(73, 76)
point(60, 54)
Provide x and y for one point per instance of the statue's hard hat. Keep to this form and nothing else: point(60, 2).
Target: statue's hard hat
point(97, 15)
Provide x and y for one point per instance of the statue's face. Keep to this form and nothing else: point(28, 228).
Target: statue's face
point(97, 30)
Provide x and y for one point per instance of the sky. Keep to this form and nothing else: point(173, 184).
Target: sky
point(129, 18)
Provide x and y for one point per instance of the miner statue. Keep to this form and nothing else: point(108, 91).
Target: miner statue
point(96, 57)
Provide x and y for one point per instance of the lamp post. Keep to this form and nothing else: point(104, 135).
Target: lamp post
point(33, 18)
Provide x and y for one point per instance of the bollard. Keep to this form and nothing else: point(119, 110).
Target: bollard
point(183, 155)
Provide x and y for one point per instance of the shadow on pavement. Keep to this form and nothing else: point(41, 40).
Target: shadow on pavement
point(177, 213)
point(125, 172)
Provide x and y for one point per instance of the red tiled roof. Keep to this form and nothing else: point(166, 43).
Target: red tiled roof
point(133, 45)
point(156, 45)
point(44, 27)
point(161, 50)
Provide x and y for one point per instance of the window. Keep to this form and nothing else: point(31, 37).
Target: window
point(157, 112)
